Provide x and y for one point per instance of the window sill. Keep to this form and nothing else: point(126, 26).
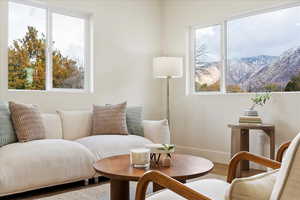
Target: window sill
point(238, 94)
point(68, 91)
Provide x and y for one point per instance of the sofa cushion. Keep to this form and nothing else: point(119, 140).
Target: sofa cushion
point(109, 119)
point(103, 146)
point(257, 187)
point(212, 188)
point(7, 134)
point(27, 121)
point(134, 120)
point(157, 131)
point(76, 124)
point(52, 125)
point(42, 163)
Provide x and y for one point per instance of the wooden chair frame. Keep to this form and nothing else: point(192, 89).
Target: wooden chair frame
point(190, 194)
point(281, 151)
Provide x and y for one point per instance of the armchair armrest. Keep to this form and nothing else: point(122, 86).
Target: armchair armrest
point(251, 157)
point(167, 182)
point(281, 151)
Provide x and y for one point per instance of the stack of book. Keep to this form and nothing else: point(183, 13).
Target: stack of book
point(250, 119)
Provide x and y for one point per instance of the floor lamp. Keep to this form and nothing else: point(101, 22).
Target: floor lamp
point(168, 68)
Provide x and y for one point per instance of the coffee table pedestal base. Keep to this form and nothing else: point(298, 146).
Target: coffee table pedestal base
point(119, 190)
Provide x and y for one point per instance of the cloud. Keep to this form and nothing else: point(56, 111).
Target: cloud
point(269, 34)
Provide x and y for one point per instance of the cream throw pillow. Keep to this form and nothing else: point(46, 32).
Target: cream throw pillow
point(27, 121)
point(76, 124)
point(110, 119)
point(157, 131)
point(258, 187)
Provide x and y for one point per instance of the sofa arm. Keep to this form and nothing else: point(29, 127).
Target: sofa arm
point(157, 131)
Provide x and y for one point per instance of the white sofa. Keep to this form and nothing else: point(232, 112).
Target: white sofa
point(66, 155)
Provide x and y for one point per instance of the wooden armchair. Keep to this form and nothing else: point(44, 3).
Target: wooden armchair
point(234, 188)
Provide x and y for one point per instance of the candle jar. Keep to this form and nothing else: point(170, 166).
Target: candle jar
point(140, 158)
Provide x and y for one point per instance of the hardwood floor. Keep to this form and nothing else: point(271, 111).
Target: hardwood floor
point(219, 169)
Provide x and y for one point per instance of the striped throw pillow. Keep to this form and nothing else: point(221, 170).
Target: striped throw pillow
point(27, 121)
point(109, 120)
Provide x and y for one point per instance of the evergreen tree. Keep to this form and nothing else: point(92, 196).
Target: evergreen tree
point(293, 84)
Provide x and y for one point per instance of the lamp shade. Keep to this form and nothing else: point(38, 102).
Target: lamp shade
point(164, 67)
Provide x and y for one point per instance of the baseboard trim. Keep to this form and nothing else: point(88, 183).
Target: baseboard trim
point(215, 156)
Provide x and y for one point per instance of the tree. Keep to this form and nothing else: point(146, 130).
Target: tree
point(207, 88)
point(200, 53)
point(27, 64)
point(272, 87)
point(293, 84)
point(234, 89)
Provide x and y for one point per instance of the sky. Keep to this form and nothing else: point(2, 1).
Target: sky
point(264, 34)
point(68, 32)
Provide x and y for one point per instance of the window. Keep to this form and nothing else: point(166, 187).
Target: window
point(47, 49)
point(262, 53)
point(207, 58)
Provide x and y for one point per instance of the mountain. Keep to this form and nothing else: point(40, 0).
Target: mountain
point(280, 72)
point(239, 70)
point(254, 73)
point(261, 60)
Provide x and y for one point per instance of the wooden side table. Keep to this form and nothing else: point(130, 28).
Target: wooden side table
point(240, 140)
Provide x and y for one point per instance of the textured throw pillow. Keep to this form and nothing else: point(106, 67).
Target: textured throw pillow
point(7, 134)
point(157, 131)
point(134, 120)
point(110, 119)
point(27, 121)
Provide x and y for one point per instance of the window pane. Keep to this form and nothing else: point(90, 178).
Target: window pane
point(207, 59)
point(68, 52)
point(26, 47)
point(264, 52)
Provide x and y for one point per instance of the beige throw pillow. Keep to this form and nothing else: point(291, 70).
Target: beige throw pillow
point(27, 121)
point(157, 131)
point(109, 119)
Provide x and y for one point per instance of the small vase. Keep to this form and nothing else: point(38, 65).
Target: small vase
point(166, 160)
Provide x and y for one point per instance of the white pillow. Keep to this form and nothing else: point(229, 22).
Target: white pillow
point(52, 123)
point(157, 131)
point(258, 187)
point(76, 124)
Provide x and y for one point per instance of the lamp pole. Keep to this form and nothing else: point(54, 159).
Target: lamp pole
point(168, 99)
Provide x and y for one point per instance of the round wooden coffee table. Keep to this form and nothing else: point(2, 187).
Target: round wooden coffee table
point(120, 171)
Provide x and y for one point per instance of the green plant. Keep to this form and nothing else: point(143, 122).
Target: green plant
point(167, 147)
point(260, 99)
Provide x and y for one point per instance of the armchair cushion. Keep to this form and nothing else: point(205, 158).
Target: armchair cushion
point(212, 188)
point(258, 187)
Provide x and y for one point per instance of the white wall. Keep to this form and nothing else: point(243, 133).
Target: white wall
point(199, 122)
point(126, 37)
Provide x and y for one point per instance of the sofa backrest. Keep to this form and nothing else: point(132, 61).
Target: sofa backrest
point(288, 180)
point(53, 126)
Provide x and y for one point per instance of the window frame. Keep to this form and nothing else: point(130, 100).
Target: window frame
point(192, 56)
point(88, 80)
point(224, 50)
